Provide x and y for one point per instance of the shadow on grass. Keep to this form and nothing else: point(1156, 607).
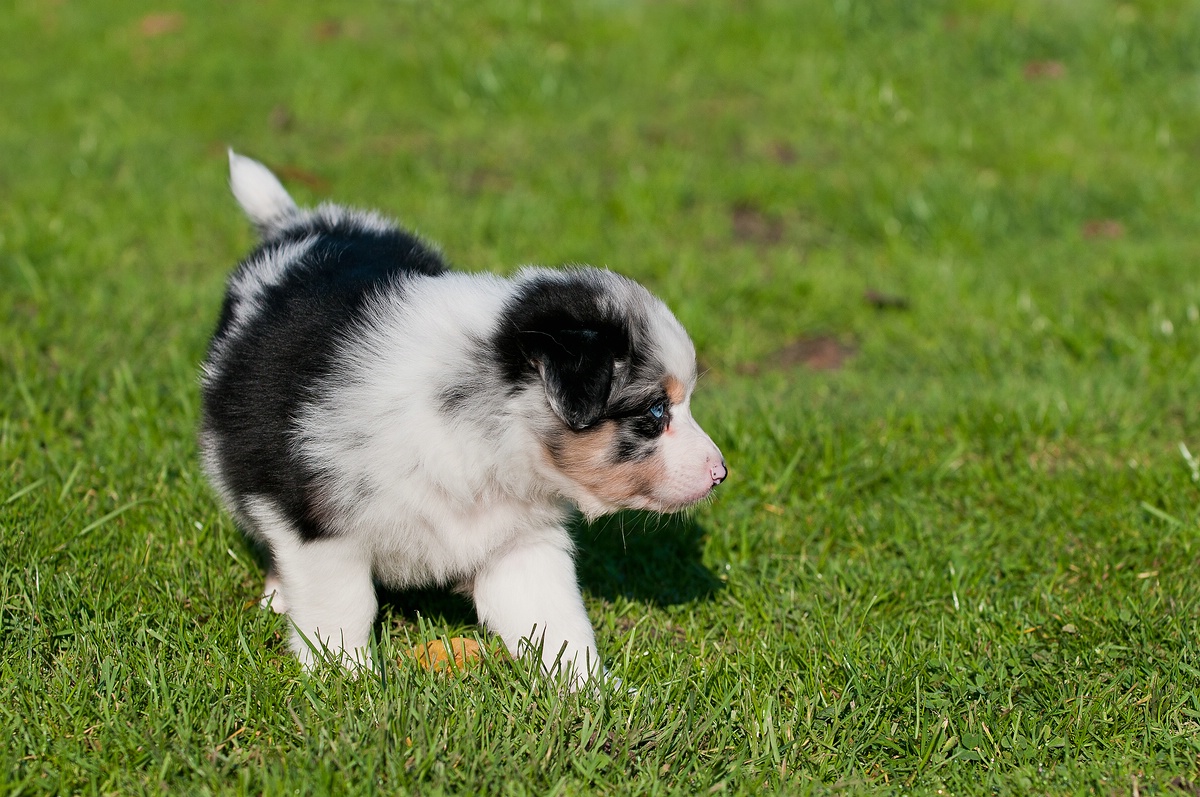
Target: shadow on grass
point(653, 559)
point(648, 558)
point(438, 605)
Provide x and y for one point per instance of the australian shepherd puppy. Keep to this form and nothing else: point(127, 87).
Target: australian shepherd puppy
point(370, 416)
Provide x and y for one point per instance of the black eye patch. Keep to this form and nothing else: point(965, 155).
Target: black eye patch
point(647, 420)
point(640, 423)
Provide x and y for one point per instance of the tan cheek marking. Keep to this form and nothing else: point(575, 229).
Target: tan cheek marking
point(585, 458)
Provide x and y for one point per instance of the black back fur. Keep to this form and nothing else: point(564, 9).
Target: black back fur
point(267, 367)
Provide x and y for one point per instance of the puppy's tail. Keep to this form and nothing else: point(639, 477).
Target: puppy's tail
point(261, 195)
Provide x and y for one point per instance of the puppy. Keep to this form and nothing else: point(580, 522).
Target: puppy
point(371, 416)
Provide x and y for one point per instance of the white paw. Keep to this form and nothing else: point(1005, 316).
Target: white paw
point(272, 596)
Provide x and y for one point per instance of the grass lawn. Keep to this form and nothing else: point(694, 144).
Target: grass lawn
point(941, 264)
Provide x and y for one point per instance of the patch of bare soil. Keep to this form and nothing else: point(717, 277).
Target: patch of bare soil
point(817, 353)
point(751, 224)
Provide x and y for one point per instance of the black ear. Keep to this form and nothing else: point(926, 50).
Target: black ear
point(568, 330)
point(576, 366)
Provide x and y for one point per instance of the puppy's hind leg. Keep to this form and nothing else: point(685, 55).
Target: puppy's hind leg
point(327, 587)
point(330, 600)
point(272, 593)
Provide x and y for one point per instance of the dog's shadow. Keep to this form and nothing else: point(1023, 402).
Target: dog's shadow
point(651, 559)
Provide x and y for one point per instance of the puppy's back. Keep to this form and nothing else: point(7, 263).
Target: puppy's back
point(288, 308)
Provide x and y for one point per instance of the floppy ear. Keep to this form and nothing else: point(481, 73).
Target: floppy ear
point(576, 366)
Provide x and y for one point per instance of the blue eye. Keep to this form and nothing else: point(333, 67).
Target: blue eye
point(658, 410)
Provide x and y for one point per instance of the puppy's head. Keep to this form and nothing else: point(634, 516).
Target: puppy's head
point(617, 371)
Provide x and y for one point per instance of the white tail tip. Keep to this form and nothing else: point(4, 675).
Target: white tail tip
point(261, 195)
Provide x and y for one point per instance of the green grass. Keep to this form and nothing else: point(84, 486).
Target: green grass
point(966, 561)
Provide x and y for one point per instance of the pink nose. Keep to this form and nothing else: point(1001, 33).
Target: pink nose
point(718, 473)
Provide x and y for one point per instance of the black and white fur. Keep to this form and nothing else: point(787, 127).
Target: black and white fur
point(371, 416)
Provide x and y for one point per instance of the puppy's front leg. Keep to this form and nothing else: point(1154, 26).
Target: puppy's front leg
point(529, 594)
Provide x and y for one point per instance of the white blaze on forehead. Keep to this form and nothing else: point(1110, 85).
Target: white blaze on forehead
point(685, 454)
point(665, 338)
point(672, 345)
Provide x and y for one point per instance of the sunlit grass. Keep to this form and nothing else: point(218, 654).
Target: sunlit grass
point(958, 547)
